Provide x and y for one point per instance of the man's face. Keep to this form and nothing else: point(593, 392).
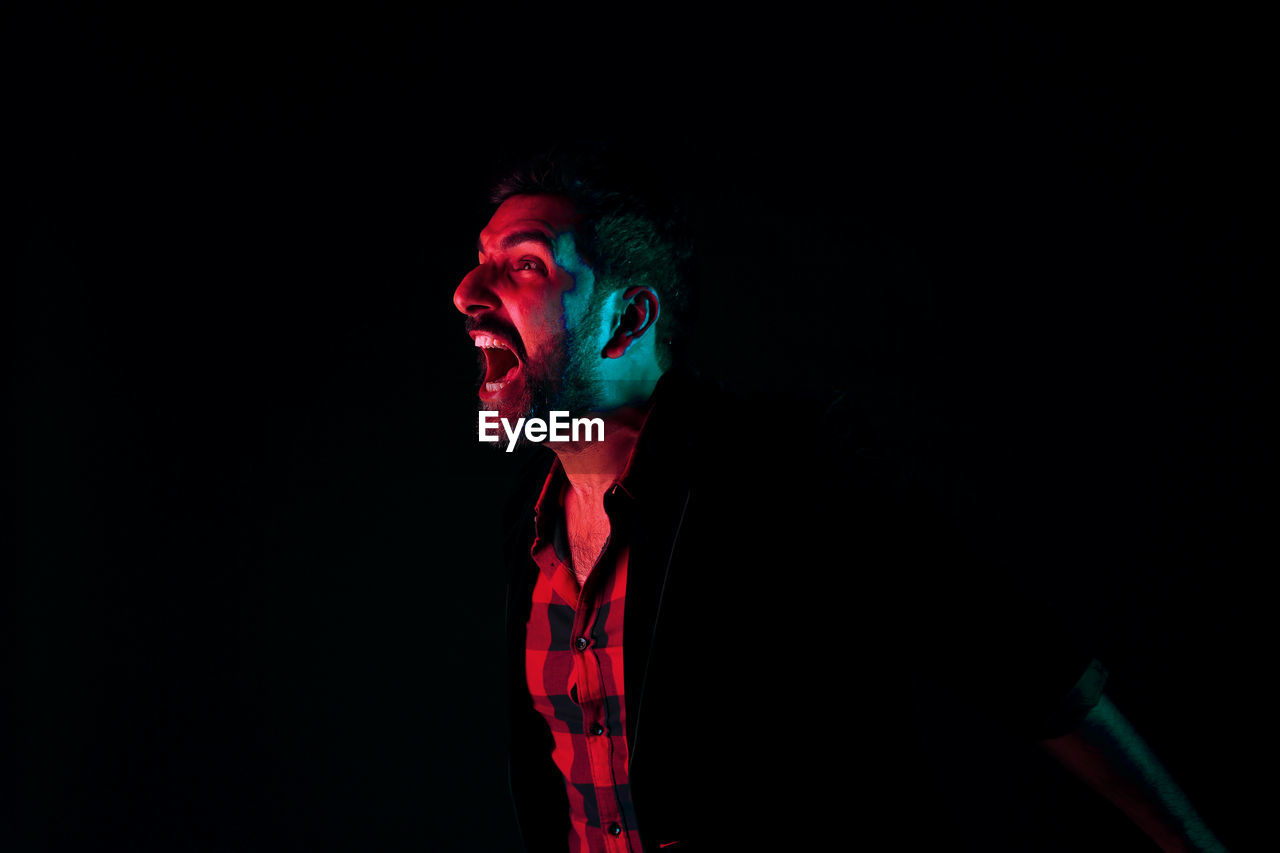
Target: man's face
point(528, 310)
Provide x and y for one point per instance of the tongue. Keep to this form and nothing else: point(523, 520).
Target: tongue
point(500, 364)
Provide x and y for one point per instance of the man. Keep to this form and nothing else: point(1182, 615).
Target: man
point(719, 620)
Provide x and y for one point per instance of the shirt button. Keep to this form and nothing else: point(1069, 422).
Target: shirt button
point(581, 644)
point(597, 729)
point(615, 830)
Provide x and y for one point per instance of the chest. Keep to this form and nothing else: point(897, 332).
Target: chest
point(588, 531)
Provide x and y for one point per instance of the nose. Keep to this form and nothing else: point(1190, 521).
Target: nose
point(474, 294)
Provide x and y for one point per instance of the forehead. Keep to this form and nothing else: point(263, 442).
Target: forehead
point(551, 214)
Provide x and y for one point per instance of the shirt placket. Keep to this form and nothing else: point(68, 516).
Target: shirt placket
point(589, 678)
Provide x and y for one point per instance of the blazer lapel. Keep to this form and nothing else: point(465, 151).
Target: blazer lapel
point(661, 485)
point(653, 553)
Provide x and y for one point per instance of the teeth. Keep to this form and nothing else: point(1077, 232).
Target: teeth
point(489, 342)
point(494, 386)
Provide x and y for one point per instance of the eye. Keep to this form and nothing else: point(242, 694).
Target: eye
point(528, 265)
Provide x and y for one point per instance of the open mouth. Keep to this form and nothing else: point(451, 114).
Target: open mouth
point(500, 364)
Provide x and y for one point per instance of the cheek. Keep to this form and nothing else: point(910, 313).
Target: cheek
point(575, 297)
point(548, 317)
point(586, 325)
point(542, 328)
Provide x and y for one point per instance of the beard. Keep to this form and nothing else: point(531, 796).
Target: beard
point(565, 380)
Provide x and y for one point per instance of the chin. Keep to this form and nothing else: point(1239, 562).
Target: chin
point(511, 404)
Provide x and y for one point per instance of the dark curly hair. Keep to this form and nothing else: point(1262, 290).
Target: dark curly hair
point(633, 232)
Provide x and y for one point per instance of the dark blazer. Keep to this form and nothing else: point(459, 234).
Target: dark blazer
point(786, 590)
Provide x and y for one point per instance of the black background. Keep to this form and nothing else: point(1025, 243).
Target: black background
point(255, 604)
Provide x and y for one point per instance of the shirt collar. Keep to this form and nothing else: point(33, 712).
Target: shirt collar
point(548, 500)
point(642, 472)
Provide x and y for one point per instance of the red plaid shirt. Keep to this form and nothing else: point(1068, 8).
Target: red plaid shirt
point(573, 664)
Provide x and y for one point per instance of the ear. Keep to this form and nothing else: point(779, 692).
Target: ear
point(640, 310)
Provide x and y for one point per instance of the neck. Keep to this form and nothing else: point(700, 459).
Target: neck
point(593, 467)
